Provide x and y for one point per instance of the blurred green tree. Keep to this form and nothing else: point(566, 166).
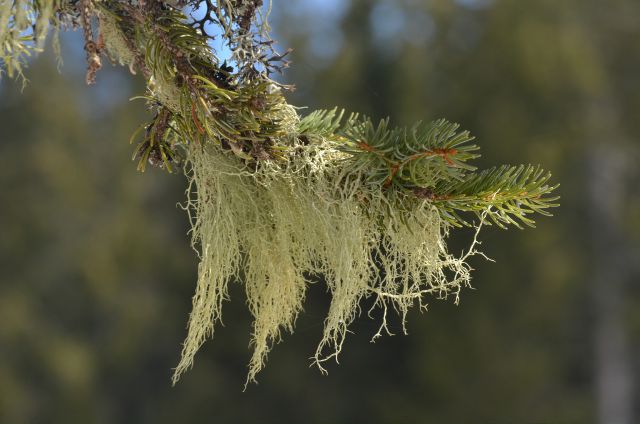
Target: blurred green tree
point(83, 300)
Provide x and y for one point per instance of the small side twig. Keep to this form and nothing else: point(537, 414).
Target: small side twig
point(91, 48)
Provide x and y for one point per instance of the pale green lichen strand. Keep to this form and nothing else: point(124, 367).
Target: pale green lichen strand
point(114, 41)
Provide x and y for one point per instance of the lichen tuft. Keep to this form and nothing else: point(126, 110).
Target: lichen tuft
point(312, 216)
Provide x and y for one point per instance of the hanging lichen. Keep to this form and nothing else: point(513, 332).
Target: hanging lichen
point(275, 198)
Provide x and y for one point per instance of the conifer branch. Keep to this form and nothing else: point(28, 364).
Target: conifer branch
point(509, 195)
point(276, 196)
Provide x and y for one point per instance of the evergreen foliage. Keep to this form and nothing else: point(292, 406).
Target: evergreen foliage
point(276, 198)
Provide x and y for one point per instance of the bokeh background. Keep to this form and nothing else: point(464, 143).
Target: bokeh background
point(97, 273)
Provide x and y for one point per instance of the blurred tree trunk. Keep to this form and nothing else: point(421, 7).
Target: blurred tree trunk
point(607, 167)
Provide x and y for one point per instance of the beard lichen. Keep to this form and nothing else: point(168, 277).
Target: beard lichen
point(116, 45)
point(274, 226)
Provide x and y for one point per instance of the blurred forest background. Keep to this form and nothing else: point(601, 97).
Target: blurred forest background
point(97, 272)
